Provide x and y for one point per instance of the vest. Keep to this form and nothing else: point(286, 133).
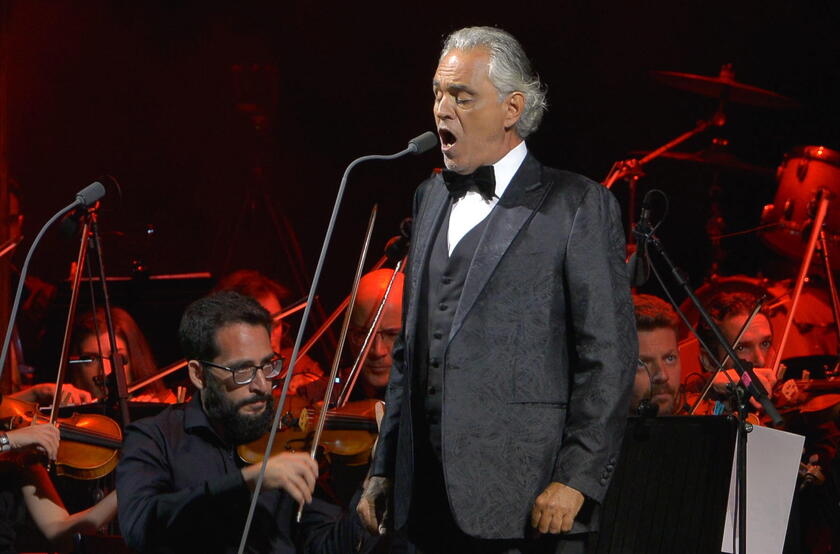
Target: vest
point(442, 285)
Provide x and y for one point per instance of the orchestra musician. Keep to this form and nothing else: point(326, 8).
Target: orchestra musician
point(814, 514)
point(90, 351)
point(339, 482)
point(507, 396)
point(270, 294)
point(376, 368)
point(659, 371)
point(182, 486)
point(25, 486)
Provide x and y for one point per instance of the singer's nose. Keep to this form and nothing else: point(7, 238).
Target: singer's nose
point(443, 107)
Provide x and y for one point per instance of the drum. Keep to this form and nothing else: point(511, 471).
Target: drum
point(803, 173)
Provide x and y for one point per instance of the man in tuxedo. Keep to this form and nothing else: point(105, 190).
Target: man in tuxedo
point(511, 377)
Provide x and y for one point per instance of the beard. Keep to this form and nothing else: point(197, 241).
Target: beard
point(238, 428)
point(666, 406)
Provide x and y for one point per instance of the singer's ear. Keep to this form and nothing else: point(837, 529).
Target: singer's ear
point(514, 104)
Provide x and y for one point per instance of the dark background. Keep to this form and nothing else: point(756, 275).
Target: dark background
point(147, 92)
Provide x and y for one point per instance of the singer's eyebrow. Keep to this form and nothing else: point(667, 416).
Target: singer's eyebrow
point(452, 87)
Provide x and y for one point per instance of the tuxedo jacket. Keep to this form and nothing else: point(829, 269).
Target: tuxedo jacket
point(540, 359)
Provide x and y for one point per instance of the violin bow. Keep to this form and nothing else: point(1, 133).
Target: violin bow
point(322, 417)
point(353, 376)
point(71, 316)
point(720, 366)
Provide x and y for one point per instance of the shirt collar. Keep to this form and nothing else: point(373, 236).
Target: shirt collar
point(506, 168)
point(194, 415)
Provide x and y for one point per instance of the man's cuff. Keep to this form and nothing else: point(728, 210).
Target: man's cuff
point(232, 486)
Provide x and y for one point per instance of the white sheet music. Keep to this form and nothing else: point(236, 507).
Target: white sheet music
point(772, 466)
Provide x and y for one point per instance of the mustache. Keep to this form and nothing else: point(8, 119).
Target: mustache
point(256, 397)
point(663, 389)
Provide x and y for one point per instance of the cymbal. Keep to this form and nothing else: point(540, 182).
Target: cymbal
point(725, 87)
point(714, 158)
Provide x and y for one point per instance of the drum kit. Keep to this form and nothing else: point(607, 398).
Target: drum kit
point(803, 220)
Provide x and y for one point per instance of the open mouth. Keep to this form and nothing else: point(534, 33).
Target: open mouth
point(447, 139)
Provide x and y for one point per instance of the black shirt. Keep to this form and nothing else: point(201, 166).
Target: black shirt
point(180, 489)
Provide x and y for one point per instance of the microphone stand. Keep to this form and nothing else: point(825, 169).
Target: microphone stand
point(816, 228)
point(749, 386)
point(119, 391)
point(418, 145)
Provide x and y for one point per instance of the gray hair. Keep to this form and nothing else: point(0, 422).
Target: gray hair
point(509, 71)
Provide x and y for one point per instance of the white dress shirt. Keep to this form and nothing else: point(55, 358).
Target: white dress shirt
point(472, 208)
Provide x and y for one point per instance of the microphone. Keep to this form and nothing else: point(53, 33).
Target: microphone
point(646, 407)
point(85, 198)
point(639, 263)
point(422, 143)
point(90, 195)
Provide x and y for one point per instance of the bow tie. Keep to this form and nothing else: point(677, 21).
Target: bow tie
point(483, 179)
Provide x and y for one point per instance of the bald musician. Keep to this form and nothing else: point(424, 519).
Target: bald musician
point(373, 379)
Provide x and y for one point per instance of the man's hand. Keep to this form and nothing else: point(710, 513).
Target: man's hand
point(764, 374)
point(373, 505)
point(295, 473)
point(555, 509)
point(42, 436)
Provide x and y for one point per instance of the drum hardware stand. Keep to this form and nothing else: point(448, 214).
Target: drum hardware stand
point(816, 233)
point(631, 170)
point(835, 300)
point(749, 386)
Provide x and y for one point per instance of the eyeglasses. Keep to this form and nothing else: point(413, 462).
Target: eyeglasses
point(95, 359)
point(244, 375)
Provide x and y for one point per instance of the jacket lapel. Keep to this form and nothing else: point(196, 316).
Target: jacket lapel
point(432, 209)
point(522, 197)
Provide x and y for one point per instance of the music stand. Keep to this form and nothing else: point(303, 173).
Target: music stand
point(670, 487)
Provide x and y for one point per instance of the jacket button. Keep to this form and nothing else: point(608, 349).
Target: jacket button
point(435, 363)
point(431, 390)
point(438, 335)
point(442, 307)
point(446, 280)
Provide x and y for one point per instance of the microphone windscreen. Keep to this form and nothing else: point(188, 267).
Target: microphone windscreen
point(91, 194)
point(423, 143)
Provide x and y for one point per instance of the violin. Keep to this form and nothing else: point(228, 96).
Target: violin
point(349, 433)
point(808, 395)
point(89, 442)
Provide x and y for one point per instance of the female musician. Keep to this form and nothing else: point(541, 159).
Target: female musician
point(25, 485)
point(91, 351)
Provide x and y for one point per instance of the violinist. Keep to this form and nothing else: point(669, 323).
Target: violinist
point(812, 509)
point(730, 310)
point(376, 368)
point(25, 486)
point(182, 484)
point(270, 295)
point(339, 484)
point(658, 372)
point(90, 350)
